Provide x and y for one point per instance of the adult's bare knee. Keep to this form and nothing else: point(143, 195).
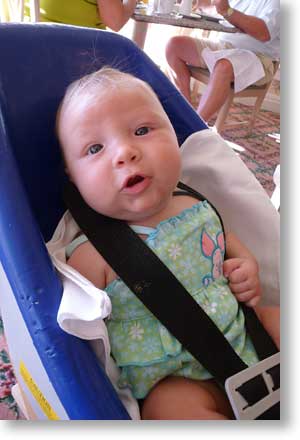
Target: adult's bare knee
point(224, 70)
point(171, 49)
point(176, 47)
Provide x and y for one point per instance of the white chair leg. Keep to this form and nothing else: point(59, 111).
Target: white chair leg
point(255, 111)
point(275, 198)
point(223, 113)
point(35, 10)
point(195, 91)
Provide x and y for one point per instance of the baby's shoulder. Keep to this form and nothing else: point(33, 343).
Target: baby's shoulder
point(89, 263)
point(185, 201)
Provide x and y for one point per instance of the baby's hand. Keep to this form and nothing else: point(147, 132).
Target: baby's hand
point(242, 274)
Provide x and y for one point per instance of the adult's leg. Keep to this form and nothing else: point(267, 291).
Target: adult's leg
point(181, 51)
point(178, 398)
point(217, 90)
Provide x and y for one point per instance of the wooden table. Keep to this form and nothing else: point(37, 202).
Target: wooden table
point(142, 21)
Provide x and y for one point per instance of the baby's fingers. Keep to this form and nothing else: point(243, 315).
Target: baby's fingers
point(238, 276)
point(231, 265)
point(242, 287)
point(249, 298)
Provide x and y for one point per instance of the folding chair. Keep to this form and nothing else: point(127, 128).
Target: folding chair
point(257, 92)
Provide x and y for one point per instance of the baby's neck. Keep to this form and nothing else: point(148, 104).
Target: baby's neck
point(175, 206)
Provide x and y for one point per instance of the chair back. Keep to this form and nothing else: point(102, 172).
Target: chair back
point(38, 61)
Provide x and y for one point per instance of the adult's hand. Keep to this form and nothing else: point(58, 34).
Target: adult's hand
point(221, 6)
point(115, 13)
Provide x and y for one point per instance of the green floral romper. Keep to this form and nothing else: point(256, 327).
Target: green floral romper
point(192, 246)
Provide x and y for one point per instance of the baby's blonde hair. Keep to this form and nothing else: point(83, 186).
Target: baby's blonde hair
point(91, 87)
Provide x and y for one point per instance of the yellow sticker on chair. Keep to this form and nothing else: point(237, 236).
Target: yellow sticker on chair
point(37, 394)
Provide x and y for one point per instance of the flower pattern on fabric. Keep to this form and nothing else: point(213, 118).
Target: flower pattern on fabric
point(143, 348)
point(213, 307)
point(174, 251)
point(136, 331)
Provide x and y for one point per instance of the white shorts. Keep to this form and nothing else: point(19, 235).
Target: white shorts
point(267, 62)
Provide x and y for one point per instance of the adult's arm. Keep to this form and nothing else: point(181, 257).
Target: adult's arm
point(253, 26)
point(115, 13)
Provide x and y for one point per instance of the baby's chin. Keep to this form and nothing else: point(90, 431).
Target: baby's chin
point(146, 208)
point(138, 216)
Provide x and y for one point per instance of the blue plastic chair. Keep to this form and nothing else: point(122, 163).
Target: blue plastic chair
point(38, 61)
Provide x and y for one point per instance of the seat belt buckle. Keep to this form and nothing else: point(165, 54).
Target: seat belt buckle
point(256, 389)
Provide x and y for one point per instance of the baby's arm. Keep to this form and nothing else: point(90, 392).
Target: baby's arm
point(241, 268)
point(87, 261)
point(242, 271)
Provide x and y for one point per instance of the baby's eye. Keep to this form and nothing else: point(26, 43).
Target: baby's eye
point(142, 131)
point(94, 149)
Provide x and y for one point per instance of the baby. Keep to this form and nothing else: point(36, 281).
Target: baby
point(121, 152)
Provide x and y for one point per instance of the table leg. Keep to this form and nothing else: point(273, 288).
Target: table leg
point(139, 33)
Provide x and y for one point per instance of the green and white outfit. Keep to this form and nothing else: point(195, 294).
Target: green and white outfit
point(192, 246)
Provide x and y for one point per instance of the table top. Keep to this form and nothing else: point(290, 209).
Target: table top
point(182, 21)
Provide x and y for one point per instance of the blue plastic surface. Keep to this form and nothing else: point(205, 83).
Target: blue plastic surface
point(38, 61)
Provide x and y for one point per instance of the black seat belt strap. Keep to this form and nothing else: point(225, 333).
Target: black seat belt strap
point(263, 343)
point(127, 253)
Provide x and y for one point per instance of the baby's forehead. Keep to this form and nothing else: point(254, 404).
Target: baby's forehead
point(132, 87)
point(137, 90)
point(97, 94)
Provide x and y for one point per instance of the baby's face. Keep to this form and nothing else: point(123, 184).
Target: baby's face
point(122, 153)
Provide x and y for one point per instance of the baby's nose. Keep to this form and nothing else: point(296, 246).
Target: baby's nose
point(126, 154)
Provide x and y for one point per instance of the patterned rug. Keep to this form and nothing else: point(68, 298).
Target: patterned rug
point(260, 150)
point(8, 407)
point(261, 153)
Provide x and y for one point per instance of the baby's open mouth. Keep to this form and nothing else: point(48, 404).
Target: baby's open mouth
point(136, 184)
point(134, 180)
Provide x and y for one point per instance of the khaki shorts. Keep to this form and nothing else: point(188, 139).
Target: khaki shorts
point(266, 61)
